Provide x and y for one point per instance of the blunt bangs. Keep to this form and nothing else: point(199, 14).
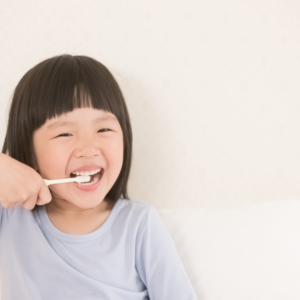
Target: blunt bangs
point(59, 85)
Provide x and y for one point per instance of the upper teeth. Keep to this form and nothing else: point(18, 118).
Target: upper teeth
point(86, 173)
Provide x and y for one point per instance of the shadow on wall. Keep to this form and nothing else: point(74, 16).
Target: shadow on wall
point(148, 138)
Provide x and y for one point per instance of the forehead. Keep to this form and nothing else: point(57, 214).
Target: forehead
point(80, 116)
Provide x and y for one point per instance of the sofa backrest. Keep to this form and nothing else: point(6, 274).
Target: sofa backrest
point(243, 252)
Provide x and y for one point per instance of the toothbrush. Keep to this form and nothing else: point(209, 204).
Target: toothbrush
point(75, 179)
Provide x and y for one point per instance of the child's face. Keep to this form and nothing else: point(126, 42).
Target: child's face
point(83, 142)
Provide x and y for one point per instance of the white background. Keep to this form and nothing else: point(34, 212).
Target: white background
point(212, 88)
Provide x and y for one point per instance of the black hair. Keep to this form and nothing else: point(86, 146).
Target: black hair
point(56, 86)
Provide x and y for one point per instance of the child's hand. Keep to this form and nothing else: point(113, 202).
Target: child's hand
point(21, 185)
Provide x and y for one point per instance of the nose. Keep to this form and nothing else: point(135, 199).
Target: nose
point(87, 146)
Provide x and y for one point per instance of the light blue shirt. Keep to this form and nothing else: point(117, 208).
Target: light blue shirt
point(130, 257)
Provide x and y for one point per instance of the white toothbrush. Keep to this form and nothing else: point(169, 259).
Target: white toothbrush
point(75, 179)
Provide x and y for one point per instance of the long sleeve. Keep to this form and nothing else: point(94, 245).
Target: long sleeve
point(158, 262)
point(5, 214)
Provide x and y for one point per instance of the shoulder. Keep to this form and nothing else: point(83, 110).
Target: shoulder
point(137, 209)
point(137, 214)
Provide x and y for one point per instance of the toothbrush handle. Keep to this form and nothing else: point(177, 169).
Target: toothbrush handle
point(56, 181)
point(66, 180)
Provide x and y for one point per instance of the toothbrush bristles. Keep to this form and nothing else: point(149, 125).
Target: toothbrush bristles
point(83, 178)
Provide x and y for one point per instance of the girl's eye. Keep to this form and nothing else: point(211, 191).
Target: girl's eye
point(63, 134)
point(101, 130)
point(105, 130)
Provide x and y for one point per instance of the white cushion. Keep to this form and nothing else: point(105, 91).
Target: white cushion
point(242, 252)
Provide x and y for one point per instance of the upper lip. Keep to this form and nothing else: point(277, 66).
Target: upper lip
point(87, 168)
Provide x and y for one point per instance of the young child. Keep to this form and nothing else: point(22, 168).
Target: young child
point(67, 118)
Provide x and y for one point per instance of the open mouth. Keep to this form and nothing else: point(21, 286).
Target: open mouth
point(94, 178)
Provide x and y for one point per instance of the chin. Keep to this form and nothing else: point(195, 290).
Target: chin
point(87, 204)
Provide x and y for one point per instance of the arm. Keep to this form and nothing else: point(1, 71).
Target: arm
point(158, 262)
point(20, 185)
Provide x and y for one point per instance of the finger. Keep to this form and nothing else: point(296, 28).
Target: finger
point(29, 204)
point(44, 196)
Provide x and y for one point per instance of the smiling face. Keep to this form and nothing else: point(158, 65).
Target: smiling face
point(83, 137)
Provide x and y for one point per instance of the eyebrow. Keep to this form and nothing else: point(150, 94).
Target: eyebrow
point(66, 123)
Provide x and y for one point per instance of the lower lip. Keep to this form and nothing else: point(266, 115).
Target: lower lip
point(88, 188)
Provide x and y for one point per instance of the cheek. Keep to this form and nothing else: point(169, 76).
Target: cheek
point(116, 156)
point(51, 161)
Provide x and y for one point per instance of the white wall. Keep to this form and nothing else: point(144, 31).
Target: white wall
point(212, 88)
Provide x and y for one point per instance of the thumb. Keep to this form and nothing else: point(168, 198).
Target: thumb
point(44, 196)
